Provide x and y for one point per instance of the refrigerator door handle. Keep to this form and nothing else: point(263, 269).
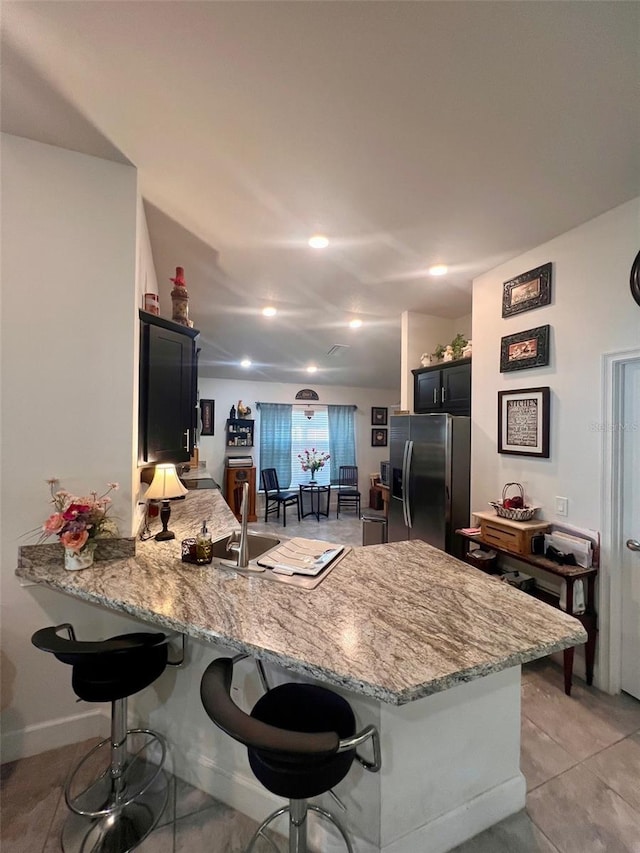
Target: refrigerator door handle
point(405, 492)
point(403, 482)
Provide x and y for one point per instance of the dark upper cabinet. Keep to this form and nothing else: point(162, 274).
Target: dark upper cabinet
point(443, 388)
point(168, 390)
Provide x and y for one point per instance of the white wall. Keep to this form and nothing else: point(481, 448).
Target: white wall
point(146, 279)
point(591, 313)
point(227, 392)
point(69, 368)
point(422, 333)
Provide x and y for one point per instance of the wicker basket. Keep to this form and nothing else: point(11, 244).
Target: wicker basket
point(525, 513)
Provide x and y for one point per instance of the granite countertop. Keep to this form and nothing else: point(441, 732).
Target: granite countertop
point(395, 622)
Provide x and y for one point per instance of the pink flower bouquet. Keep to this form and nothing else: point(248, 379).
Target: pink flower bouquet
point(76, 520)
point(312, 460)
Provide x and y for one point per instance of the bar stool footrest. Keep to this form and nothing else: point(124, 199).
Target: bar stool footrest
point(91, 790)
point(259, 833)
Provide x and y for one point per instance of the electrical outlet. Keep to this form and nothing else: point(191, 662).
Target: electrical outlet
point(562, 506)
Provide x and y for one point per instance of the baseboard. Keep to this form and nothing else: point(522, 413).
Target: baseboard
point(37, 738)
point(449, 830)
point(243, 793)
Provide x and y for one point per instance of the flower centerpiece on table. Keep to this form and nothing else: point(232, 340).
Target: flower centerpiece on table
point(312, 460)
point(78, 521)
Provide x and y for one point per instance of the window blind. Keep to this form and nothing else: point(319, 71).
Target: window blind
point(309, 434)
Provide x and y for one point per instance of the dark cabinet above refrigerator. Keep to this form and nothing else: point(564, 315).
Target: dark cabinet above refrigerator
point(443, 388)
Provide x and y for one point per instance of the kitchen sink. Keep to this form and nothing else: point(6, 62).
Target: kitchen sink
point(258, 543)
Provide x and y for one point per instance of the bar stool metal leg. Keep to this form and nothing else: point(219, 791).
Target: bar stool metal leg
point(298, 826)
point(117, 808)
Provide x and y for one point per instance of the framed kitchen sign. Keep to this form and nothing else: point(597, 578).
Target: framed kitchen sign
point(523, 422)
point(379, 415)
point(207, 412)
point(378, 438)
point(529, 290)
point(525, 349)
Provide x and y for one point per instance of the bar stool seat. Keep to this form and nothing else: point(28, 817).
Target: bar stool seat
point(301, 741)
point(115, 795)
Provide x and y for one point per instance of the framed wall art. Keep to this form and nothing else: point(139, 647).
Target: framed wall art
point(378, 438)
point(379, 415)
point(525, 349)
point(207, 413)
point(307, 394)
point(523, 422)
point(529, 290)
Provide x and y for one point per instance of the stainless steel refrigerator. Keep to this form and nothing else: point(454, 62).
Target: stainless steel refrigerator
point(430, 476)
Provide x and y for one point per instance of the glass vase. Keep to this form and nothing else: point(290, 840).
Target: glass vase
point(82, 559)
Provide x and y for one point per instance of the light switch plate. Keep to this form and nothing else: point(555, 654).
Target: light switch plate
point(562, 506)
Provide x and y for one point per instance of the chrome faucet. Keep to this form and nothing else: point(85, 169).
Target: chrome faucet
point(241, 548)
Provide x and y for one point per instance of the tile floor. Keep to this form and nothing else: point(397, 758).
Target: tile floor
point(347, 529)
point(580, 756)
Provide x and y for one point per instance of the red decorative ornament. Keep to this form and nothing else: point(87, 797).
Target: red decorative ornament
point(179, 279)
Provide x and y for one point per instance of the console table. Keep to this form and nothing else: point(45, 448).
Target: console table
point(314, 500)
point(569, 574)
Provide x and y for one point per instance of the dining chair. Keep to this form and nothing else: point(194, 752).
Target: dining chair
point(274, 497)
point(348, 494)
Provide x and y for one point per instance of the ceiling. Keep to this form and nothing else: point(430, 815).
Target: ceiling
point(410, 133)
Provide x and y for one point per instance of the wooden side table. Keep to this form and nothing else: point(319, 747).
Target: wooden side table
point(383, 491)
point(234, 479)
point(569, 574)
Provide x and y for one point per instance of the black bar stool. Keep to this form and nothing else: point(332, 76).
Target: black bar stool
point(114, 808)
point(301, 740)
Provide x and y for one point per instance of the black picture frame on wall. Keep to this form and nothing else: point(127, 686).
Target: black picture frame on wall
point(379, 437)
point(523, 422)
point(207, 417)
point(525, 349)
point(530, 290)
point(379, 415)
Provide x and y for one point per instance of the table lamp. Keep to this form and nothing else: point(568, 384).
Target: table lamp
point(164, 486)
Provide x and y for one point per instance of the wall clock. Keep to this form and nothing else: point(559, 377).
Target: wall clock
point(635, 279)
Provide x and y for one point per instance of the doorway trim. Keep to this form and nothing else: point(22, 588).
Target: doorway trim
point(610, 587)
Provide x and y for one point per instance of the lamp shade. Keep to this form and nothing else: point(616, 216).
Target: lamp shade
point(165, 484)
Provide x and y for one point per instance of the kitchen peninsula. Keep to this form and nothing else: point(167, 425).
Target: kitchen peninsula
point(425, 647)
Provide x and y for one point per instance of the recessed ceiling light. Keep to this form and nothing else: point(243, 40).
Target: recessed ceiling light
point(318, 241)
point(269, 311)
point(355, 324)
point(439, 269)
point(312, 369)
point(245, 362)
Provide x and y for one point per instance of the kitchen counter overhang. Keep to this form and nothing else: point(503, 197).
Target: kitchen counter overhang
point(395, 622)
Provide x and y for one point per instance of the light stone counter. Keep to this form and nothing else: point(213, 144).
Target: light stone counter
point(394, 622)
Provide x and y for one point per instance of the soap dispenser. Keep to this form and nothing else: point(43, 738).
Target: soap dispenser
point(204, 546)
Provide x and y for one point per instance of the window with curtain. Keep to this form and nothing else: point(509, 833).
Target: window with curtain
point(285, 432)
